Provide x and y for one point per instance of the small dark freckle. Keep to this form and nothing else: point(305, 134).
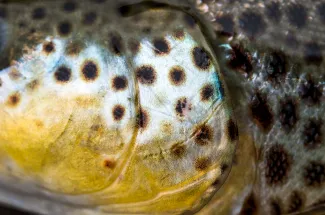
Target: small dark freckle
point(119, 83)
point(207, 92)
point(22, 24)
point(33, 85)
point(227, 24)
point(69, 6)
point(189, 20)
point(118, 112)
point(288, 114)
point(146, 75)
point(63, 74)
point(14, 99)
point(312, 135)
point(64, 28)
point(109, 164)
point(90, 71)
point(224, 168)
point(177, 76)
point(201, 58)
point(147, 30)
point(240, 60)
point(48, 47)
point(3, 12)
point(181, 106)
point(89, 18)
point(252, 23)
point(232, 130)
point(161, 46)
point(116, 43)
point(202, 164)
point(273, 11)
point(216, 183)
point(39, 13)
point(74, 48)
point(313, 53)
point(179, 34)
point(178, 150)
point(297, 15)
point(321, 11)
point(142, 119)
point(309, 92)
point(203, 135)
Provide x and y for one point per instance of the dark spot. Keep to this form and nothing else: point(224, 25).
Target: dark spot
point(313, 53)
point(74, 47)
point(224, 168)
point(177, 75)
point(110, 164)
point(275, 208)
point(181, 107)
point(295, 202)
point(273, 12)
point(288, 114)
point(275, 66)
point(64, 28)
point(178, 150)
point(251, 23)
point(261, 112)
point(297, 15)
point(202, 164)
point(189, 20)
point(116, 43)
point(201, 58)
point(207, 92)
point(161, 46)
point(120, 83)
point(216, 183)
point(62, 74)
point(39, 13)
point(309, 92)
point(227, 24)
point(249, 206)
point(277, 165)
point(142, 119)
point(3, 12)
point(312, 135)
point(203, 135)
point(89, 18)
point(48, 47)
point(179, 34)
point(90, 71)
point(232, 130)
point(69, 6)
point(321, 11)
point(118, 112)
point(14, 99)
point(240, 60)
point(134, 46)
point(146, 75)
point(33, 85)
point(146, 30)
point(314, 174)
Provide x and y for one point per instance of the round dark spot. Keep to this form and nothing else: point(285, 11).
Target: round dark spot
point(118, 112)
point(177, 76)
point(207, 92)
point(142, 119)
point(227, 24)
point(48, 47)
point(201, 58)
point(202, 164)
point(39, 13)
point(116, 43)
point(273, 11)
point(314, 174)
point(146, 75)
point(178, 150)
point(297, 15)
point(161, 46)
point(296, 202)
point(203, 135)
point(74, 47)
point(232, 130)
point(134, 46)
point(190, 21)
point(312, 135)
point(90, 70)
point(309, 92)
point(69, 6)
point(240, 59)
point(14, 99)
point(120, 83)
point(261, 112)
point(313, 54)
point(63, 74)
point(277, 165)
point(89, 18)
point(110, 164)
point(3, 12)
point(275, 208)
point(275, 66)
point(179, 34)
point(251, 23)
point(181, 107)
point(64, 28)
point(288, 114)
point(321, 11)
point(249, 206)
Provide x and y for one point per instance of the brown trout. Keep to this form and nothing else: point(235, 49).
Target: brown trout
point(162, 107)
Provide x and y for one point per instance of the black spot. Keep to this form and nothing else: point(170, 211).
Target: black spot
point(63, 74)
point(120, 83)
point(134, 46)
point(240, 60)
point(202, 164)
point(203, 135)
point(273, 12)
point(207, 92)
point(178, 150)
point(89, 18)
point(181, 106)
point(312, 135)
point(177, 76)
point(251, 23)
point(227, 23)
point(249, 206)
point(275, 66)
point(224, 168)
point(295, 202)
point(201, 58)
point(64, 28)
point(277, 165)
point(288, 114)
point(309, 92)
point(118, 112)
point(313, 54)
point(297, 15)
point(261, 112)
point(232, 130)
point(146, 75)
point(90, 71)
point(69, 6)
point(189, 20)
point(275, 208)
point(142, 119)
point(48, 47)
point(39, 13)
point(321, 11)
point(116, 43)
point(3, 13)
point(14, 99)
point(161, 46)
point(314, 174)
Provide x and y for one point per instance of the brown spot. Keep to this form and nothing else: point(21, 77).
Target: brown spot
point(118, 112)
point(33, 85)
point(110, 164)
point(277, 165)
point(64, 28)
point(89, 18)
point(146, 75)
point(249, 206)
point(39, 123)
point(116, 43)
point(232, 130)
point(142, 119)
point(179, 34)
point(90, 70)
point(63, 74)
point(261, 112)
point(177, 76)
point(314, 174)
point(181, 107)
point(161, 46)
point(312, 134)
point(134, 46)
point(119, 83)
point(48, 47)
point(201, 58)
point(296, 202)
point(178, 150)
point(288, 114)
point(240, 60)
point(204, 135)
point(14, 99)
point(202, 164)
point(207, 92)
point(14, 74)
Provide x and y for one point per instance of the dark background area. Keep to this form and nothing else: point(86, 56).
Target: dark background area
point(4, 210)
